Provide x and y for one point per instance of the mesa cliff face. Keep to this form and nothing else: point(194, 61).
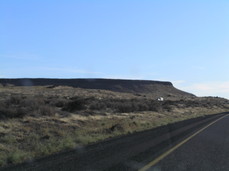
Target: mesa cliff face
point(156, 88)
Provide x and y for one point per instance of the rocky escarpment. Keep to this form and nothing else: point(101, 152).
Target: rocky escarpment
point(157, 88)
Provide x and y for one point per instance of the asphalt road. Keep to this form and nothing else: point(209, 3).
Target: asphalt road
point(208, 150)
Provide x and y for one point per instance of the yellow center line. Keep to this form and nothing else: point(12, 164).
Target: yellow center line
point(159, 158)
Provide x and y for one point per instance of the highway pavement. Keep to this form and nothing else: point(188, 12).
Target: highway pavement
point(206, 151)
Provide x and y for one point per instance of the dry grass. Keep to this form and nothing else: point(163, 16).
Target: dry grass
point(44, 127)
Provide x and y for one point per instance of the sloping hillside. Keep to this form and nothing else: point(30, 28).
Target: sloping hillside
point(155, 88)
point(37, 121)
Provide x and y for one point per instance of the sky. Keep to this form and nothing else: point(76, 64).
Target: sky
point(185, 42)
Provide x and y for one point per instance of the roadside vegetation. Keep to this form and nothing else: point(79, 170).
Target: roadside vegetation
point(39, 121)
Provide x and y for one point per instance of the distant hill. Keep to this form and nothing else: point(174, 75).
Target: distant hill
point(156, 88)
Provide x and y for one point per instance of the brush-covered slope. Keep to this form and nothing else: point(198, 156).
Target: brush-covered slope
point(156, 88)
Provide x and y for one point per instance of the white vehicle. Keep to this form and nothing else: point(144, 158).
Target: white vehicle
point(160, 99)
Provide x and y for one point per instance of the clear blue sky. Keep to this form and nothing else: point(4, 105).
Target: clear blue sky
point(186, 42)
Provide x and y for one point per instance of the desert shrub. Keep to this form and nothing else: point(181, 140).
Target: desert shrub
point(16, 157)
point(42, 110)
point(97, 105)
point(143, 106)
point(18, 106)
point(3, 161)
point(155, 106)
point(123, 107)
point(60, 103)
point(11, 111)
point(126, 105)
point(77, 103)
point(37, 106)
point(54, 145)
point(15, 100)
point(131, 105)
point(57, 101)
